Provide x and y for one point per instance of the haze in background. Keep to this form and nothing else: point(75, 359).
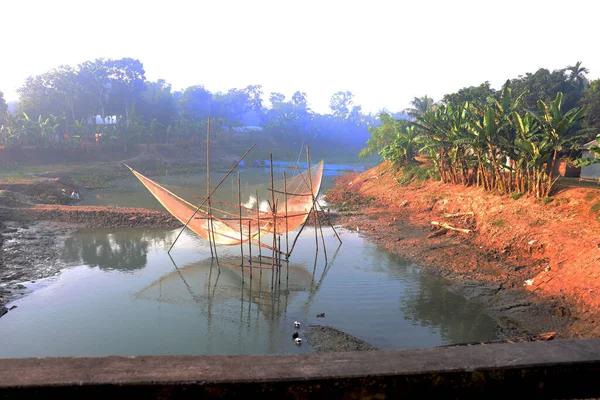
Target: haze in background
point(385, 52)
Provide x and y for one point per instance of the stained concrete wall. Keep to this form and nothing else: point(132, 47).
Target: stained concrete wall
point(556, 369)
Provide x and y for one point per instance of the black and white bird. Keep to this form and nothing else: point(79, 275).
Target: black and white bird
point(296, 324)
point(298, 340)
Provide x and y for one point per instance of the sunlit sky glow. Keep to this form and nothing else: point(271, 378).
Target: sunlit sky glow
point(385, 52)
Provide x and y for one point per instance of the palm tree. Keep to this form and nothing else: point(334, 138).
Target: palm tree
point(420, 105)
point(577, 74)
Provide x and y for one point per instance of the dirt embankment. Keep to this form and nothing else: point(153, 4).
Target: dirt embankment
point(535, 265)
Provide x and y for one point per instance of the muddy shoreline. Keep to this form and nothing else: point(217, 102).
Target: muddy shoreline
point(517, 312)
point(31, 234)
point(28, 252)
point(31, 238)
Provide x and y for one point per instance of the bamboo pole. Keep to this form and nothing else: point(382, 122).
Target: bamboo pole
point(241, 230)
point(274, 213)
point(258, 224)
point(297, 236)
point(209, 221)
point(211, 193)
point(311, 192)
point(316, 215)
point(449, 227)
point(287, 241)
point(279, 261)
point(250, 253)
point(211, 233)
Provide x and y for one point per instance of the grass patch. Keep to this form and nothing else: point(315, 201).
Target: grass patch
point(516, 195)
point(499, 223)
point(591, 196)
point(546, 200)
point(595, 208)
point(415, 173)
point(538, 222)
point(561, 201)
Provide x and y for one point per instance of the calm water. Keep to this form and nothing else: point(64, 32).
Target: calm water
point(131, 193)
point(123, 295)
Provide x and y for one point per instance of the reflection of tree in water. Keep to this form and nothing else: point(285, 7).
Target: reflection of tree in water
point(427, 303)
point(459, 321)
point(123, 250)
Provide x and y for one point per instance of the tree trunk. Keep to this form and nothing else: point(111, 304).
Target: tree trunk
point(551, 173)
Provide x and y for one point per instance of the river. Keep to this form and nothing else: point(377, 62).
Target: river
point(121, 293)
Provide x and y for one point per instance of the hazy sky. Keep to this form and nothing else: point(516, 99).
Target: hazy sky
point(385, 52)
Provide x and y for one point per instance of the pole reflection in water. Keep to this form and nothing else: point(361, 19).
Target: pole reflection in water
point(211, 291)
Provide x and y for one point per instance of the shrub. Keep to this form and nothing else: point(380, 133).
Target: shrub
point(516, 195)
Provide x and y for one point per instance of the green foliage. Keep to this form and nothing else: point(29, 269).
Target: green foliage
point(499, 223)
point(595, 150)
point(3, 110)
point(341, 104)
point(544, 84)
point(546, 200)
point(516, 195)
point(486, 138)
point(591, 104)
point(590, 196)
point(420, 105)
point(415, 173)
point(395, 140)
point(479, 95)
point(134, 110)
point(595, 208)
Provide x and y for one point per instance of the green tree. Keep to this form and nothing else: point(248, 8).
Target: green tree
point(591, 104)
point(577, 74)
point(544, 84)
point(558, 131)
point(475, 95)
point(157, 103)
point(419, 106)
point(381, 136)
point(341, 104)
point(3, 110)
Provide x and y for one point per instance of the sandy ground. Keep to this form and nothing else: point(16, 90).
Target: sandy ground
point(532, 265)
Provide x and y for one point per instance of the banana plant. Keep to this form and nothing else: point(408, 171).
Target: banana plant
point(557, 130)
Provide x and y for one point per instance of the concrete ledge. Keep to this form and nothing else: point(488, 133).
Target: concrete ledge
point(555, 369)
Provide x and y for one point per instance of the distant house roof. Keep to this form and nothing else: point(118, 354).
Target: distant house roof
point(247, 129)
point(593, 143)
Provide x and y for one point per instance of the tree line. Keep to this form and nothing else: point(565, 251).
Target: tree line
point(112, 101)
point(507, 141)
